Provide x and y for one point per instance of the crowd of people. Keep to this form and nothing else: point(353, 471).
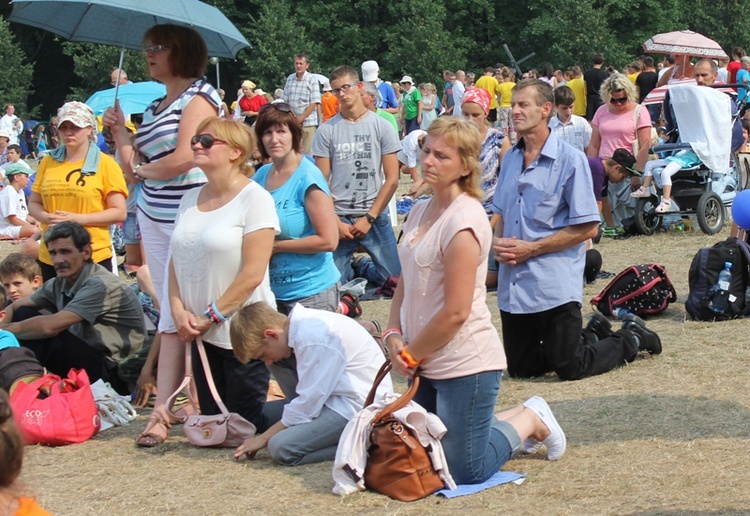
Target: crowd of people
point(253, 218)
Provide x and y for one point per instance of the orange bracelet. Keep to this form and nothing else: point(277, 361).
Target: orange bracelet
point(410, 360)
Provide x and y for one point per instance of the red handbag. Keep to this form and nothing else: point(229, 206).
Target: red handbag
point(55, 411)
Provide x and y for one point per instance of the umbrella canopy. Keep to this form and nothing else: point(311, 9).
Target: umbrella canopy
point(684, 42)
point(122, 23)
point(322, 79)
point(656, 96)
point(134, 97)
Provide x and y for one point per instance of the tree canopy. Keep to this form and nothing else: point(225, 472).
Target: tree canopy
point(415, 37)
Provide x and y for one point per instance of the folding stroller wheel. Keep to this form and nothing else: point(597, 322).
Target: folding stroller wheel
point(646, 219)
point(710, 213)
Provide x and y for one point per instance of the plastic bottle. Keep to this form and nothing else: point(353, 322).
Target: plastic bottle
point(620, 313)
point(720, 299)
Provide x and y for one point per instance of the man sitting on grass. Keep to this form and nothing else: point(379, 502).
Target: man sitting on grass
point(324, 362)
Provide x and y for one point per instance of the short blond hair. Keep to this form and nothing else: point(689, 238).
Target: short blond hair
point(238, 135)
point(464, 136)
point(617, 82)
point(246, 331)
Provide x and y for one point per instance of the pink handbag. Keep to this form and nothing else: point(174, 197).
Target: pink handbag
point(227, 429)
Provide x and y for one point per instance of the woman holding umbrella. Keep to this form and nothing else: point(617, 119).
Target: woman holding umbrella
point(176, 57)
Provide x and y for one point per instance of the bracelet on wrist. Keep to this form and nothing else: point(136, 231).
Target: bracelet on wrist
point(390, 331)
point(135, 171)
point(214, 315)
point(408, 358)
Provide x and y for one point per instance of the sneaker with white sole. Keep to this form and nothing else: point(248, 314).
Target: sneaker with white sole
point(556, 441)
point(664, 206)
point(641, 192)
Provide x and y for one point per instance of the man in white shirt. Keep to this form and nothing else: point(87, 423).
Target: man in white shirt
point(570, 128)
point(459, 87)
point(11, 123)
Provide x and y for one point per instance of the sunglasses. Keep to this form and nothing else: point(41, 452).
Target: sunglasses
point(279, 106)
point(623, 100)
point(206, 140)
point(154, 49)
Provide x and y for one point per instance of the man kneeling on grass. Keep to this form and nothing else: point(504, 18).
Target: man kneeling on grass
point(324, 362)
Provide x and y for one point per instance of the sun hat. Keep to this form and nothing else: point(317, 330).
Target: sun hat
point(406, 78)
point(370, 71)
point(4, 134)
point(78, 114)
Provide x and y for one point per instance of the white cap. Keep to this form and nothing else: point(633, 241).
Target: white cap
point(327, 86)
point(406, 78)
point(370, 71)
point(4, 134)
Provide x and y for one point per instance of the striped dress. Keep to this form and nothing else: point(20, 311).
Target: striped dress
point(157, 138)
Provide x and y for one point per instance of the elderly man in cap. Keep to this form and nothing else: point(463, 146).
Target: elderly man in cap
point(387, 101)
point(411, 107)
point(14, 214)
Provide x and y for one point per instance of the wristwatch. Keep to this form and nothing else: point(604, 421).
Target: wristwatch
point(370, 218)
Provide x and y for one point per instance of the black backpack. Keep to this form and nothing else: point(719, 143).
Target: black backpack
point(704, 272)
point(640, 289)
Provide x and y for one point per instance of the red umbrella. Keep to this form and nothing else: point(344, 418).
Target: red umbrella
point(656, 96)
point(684, 42)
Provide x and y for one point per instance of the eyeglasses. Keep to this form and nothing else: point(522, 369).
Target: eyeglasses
point(154, 49)
point(623, 100)
point(206, 140)
point(279, 106)
point(344, 88)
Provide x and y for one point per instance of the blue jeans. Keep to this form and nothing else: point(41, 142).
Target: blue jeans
point(476, 444)
point(379, 243)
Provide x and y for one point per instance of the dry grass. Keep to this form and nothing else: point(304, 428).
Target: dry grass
point(666, 434)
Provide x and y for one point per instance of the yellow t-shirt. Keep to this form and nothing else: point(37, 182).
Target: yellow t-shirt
point(579, 90)
point(489, 83)
point(503, 91)
point(62, 187)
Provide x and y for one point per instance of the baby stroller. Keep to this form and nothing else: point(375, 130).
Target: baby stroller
point(700, 119)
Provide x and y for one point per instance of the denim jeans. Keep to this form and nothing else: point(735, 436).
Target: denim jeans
point(315, 441)
point(379, 243)
point(476, 444)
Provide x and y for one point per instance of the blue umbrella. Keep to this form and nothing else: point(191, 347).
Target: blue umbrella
point(134, 97)
point(122, 23)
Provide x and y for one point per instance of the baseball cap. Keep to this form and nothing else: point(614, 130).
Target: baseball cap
point(16, 168)
point(406, 78)
point(370, 71)
point(625, 159)
point(327, 86)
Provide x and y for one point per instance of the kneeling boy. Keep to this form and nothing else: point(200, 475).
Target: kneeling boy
point(324, 362)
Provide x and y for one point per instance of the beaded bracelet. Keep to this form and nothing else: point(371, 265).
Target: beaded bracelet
point(213, 313)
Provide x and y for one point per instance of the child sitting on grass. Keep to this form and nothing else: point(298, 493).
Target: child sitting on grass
point(14, 213)
point(324, 362)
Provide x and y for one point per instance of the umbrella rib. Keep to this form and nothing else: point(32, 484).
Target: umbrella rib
point(80, 20)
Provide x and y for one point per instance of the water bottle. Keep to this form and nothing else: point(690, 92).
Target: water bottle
point(621, 313)
point(720, 298)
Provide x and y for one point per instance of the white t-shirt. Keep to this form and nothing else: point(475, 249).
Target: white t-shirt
point(11, 203)
point(206, 251)
point(409, 153)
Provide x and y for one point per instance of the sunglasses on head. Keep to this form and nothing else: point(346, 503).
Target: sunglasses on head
point(279, 106)
point(206, 140)
point(623, 100)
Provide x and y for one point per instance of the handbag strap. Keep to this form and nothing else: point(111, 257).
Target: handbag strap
point(209, 376)
point(398, 404)
point(185, 385)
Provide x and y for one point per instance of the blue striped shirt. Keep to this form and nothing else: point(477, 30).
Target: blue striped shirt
point(157, 138)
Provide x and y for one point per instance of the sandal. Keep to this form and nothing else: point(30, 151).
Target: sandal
point(156, 431)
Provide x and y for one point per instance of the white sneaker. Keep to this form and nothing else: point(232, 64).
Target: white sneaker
point(664, 206)
point(641, 192)
point(556, 441)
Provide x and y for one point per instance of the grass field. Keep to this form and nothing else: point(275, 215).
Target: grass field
point(666, 434)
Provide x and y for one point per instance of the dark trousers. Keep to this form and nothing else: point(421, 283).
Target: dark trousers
point(242, 387)
point(48, 271)
point(65, 351)
point(593, 102)
point(553, 340)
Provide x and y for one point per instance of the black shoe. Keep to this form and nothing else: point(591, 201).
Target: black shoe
point(647, 340)
point(599, 325)
point(633, 319)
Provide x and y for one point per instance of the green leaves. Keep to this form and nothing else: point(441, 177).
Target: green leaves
point(15, 81)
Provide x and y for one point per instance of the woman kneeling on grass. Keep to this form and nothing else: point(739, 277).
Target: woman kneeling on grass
point(440, 307)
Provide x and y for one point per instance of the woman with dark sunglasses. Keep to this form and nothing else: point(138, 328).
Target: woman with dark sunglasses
point(620, 123)
point(220, 248)
point(302, 268)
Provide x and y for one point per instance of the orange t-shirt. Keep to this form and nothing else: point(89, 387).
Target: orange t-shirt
point(29, 507)
point(330, 105)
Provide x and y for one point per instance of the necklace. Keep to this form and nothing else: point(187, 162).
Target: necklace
point(218, 202)
point(355, 118)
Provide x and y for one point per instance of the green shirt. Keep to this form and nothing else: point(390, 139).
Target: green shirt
point(411, 103)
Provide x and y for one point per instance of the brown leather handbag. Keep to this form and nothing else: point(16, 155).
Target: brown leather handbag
point(397, 463)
